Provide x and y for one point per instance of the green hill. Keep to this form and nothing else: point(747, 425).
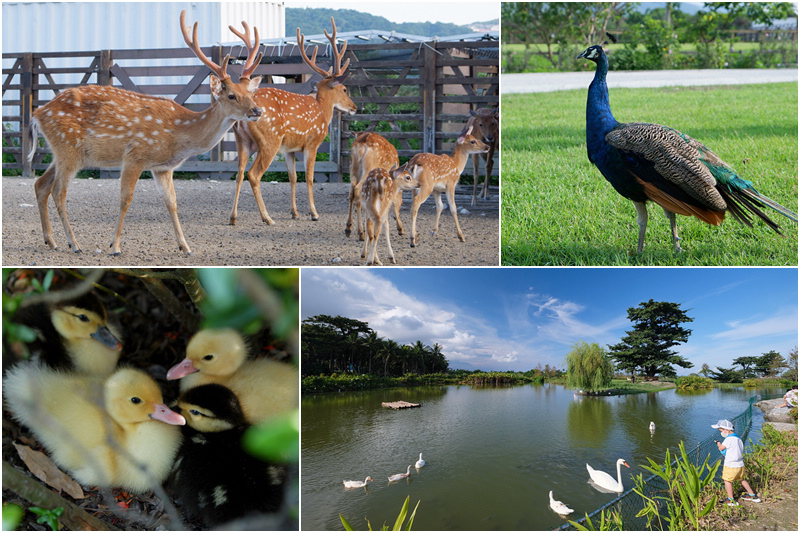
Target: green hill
point(312, 21)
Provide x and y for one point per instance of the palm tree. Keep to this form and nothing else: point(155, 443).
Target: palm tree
point(373, 344)
point(389, 350)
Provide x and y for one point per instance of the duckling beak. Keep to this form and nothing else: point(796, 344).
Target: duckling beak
point(184, 368)
point(104, 335)
point(168, 416)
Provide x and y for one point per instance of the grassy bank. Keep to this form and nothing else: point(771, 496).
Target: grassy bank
point(559, 210)
point(350, 382)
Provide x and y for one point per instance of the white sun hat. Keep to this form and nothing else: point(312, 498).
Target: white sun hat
point(723, 424)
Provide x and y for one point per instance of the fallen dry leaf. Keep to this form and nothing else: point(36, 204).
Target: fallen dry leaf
point(45, 469)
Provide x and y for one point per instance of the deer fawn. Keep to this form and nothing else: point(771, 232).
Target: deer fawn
point(485, 122)
point(291, 123)
point(106, 127)
point(379, 191)
point(369, 151)
point(440, 173)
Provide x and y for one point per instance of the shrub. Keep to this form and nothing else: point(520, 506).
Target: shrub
point(693, 383)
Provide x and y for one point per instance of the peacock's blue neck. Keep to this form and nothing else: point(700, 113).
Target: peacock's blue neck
point(599, 120)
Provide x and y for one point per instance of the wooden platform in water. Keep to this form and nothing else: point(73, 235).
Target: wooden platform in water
point(400, 405)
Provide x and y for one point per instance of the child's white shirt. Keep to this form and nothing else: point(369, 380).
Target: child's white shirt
point(734, 451)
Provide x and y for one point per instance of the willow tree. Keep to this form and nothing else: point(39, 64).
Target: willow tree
point(588, 367)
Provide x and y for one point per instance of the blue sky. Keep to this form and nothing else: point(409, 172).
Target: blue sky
point(516, 318)
point(456, 12)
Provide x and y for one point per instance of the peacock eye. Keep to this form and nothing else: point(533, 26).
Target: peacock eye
point(208, 357)
point(136, 400)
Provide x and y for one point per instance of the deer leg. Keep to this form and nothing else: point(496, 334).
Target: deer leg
point(489, 158)
point(475, 176)
point(260, 165)
point(165, 185)
point(58, 189)
point(244, 155)
point(420, 195)
point(372, 239)
point(385, 223)
point(349, 224)
point(290, 168)
point(128, 177)
point(311, 156)
point(43, 187)
point(451, 198)
point(437, 197)
point(398, 201)
point(641, 219)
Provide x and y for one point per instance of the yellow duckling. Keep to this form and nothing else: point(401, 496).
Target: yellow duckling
point(73, 335)
point(264, 387)
point(113, 432)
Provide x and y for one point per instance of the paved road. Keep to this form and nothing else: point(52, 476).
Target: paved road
point(560, 81)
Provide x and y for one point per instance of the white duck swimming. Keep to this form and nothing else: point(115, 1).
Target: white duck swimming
point(652, 427)
point(398, 477)
point(356, 484)
point(420, 463)
point(604, 480)
point(558, 506)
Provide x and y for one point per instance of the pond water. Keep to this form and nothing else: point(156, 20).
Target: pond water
point(492, 454)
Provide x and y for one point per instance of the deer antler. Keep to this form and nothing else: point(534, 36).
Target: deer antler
point(337, 55)
point(194, 47)
point(252, 62)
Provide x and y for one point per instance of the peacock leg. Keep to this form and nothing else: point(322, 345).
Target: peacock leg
point(641, 219)
point(673, 226)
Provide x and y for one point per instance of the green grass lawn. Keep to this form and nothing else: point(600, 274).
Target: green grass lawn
point(557, 209)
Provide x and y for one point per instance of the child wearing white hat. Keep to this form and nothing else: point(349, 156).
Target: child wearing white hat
point(732, 448)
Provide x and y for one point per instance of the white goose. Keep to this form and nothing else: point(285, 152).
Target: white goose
point(356, 484)
point(558, 506)
point(398, 477)
point(421, 462)
point(604, 480)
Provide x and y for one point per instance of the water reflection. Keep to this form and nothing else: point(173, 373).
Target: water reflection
point(493, 454)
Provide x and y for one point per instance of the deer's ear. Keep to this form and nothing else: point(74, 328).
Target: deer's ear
point(254, 83)
point(216, 86)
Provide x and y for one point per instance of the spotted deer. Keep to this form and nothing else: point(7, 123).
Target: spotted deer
point(378, 192)
point(440, 173)
point(369, 151)
point(107, 127)
point(485, 123)
point(291, 123)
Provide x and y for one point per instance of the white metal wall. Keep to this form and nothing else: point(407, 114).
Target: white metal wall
point(87, 26)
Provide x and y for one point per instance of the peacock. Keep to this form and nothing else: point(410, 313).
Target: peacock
point(653, 162)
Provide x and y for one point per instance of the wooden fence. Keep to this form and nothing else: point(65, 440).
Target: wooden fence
point(418, 95)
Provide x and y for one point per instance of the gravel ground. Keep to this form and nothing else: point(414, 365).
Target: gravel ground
point(204, 210)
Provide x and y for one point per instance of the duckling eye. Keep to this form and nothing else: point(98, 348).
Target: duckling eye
point(195, 412)
point(83, 318)
point(208, 357)
point(136, 400)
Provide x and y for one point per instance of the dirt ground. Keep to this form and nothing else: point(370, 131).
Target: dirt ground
point(204, 210)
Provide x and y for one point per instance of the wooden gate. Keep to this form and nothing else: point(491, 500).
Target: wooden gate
point(418, 95)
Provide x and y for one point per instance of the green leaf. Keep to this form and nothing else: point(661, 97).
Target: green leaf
point(398, 524)
point(277, 439)
point(411, 520)
point(345, 523)
point(12, 515)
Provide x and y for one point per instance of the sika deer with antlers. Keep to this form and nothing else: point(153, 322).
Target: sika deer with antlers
point(369, 151)
point(379, 191)
point(291, 123)
point(107, 127)
point(487, 129)
point(440, 173)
